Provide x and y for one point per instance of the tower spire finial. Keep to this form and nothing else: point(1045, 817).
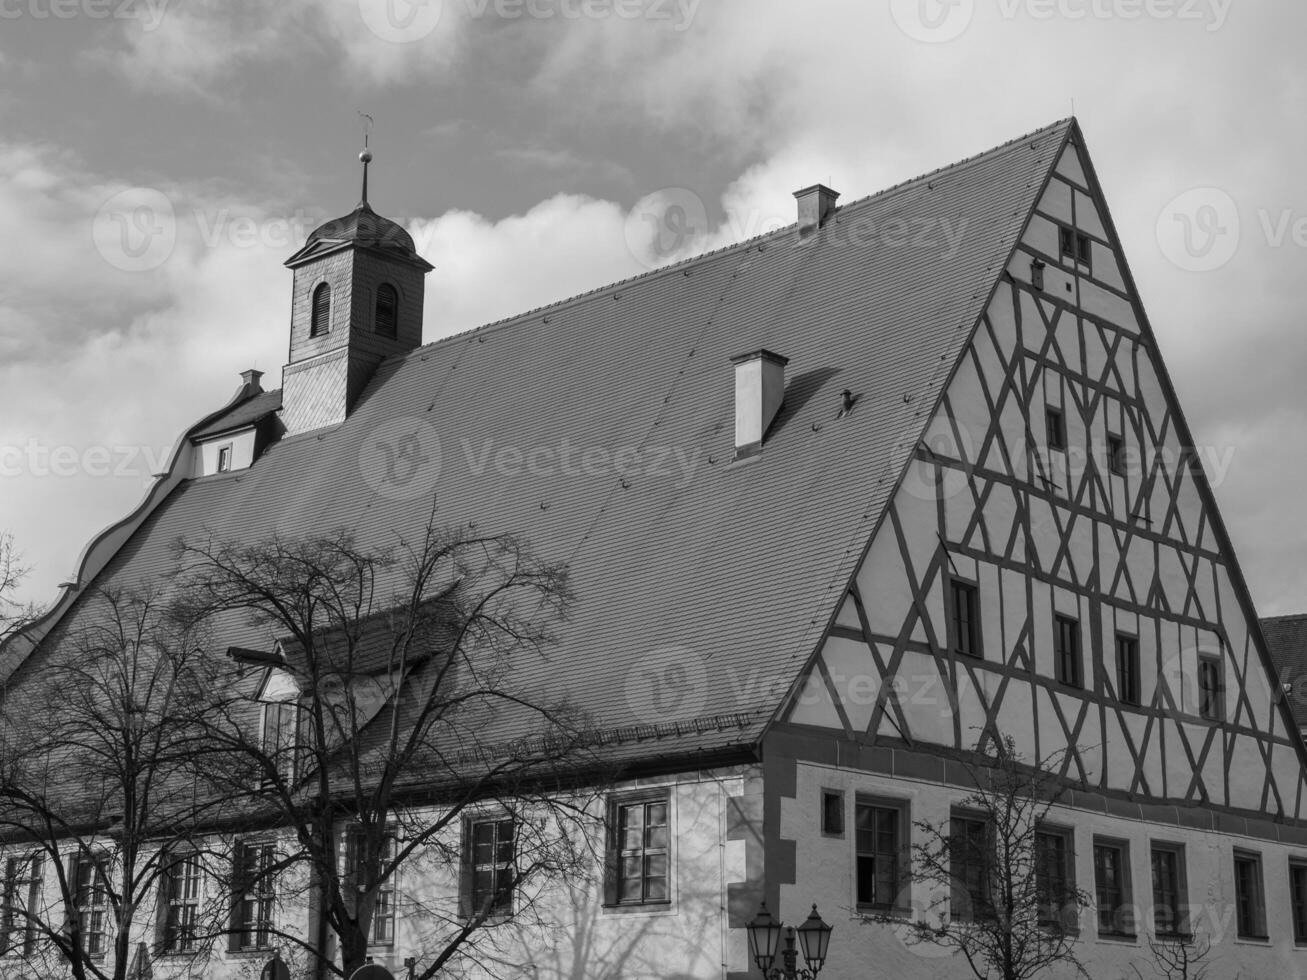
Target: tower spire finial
point(366, 157)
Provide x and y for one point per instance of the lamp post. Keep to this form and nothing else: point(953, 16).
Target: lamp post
point(765, 937)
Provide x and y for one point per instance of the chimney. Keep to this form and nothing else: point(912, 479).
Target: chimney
point(815, 205)
point(759, 390)
point(250, 381)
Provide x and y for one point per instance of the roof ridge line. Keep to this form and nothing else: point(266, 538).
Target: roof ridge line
point(744, 245)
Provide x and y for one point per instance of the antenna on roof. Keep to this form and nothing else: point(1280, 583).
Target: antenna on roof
point(1073, 105)
point(365, 156)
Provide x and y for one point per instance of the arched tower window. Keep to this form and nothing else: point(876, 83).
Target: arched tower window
point(321, 318)
point(387, 310)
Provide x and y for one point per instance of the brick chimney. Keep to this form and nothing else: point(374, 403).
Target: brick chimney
point(815, 205)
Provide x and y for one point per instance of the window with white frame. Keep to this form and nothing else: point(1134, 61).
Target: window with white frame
point(181, 906)
point(89, 879)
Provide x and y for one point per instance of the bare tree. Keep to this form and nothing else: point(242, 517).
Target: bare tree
point(1000, 896)
point(14, 615)
point(1180, 957)
point(394, 668)
point(96, 794)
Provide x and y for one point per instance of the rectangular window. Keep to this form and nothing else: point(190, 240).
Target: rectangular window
point(1112, 888)
point(832, 813)
point(1127, 669)
point(1066, 650)
point(1055, 878)
point(91, 902)
point(280, 735)
point(181, 884)
point(639, 853)
point(966, 618)
point(224, 459)
point(254, 895)
point(1210, 700)
point(22, 887)
point(1168, 890)
point(490, 869)
point(1066, 241)
point(878, 853)
point(1055, 428)
point(1250, 908)
point(1082, 248)
point(1298, 900)
point(969, 867)
point(1116, 455)
point(382, 931)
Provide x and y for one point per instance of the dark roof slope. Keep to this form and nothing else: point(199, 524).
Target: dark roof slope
point(1286, 640)
point(601, 430)
point(248, 412)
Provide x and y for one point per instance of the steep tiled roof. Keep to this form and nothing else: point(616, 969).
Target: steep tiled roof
point(1286, 639)
point(703, 585)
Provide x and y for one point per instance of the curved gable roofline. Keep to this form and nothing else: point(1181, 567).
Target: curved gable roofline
point(104, 545)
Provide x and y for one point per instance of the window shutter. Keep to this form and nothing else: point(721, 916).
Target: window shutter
point(610, 857)
point(465, 873)
point(239, 881)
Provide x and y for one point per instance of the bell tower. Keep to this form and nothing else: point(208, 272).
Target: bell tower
point(356, 300)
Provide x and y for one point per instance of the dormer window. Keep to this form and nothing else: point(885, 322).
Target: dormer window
point(224, 459)
point(320, 320)
point(279, 724)
point(387, 318)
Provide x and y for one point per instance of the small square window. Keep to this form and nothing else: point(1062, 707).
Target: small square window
point(1116, 455)
point(1066, 650)
point(965, 618)
point(832, 813)
point(1211, 700)
point(1127, 669)
point(1055, 428)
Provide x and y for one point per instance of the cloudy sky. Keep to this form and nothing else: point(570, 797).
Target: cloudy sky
point(159, 159)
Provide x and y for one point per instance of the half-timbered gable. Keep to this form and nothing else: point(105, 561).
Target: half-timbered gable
point(1052, 566)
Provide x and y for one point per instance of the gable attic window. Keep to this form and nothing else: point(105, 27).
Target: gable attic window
point(319, 320)
point(1073, 245)
point(1055, 428)
point(387, 314)
point(224, 458)
point(1210, 704)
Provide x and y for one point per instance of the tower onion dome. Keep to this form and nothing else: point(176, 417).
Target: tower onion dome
point(362, 226)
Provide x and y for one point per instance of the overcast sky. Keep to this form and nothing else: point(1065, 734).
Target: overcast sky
point(159, 160)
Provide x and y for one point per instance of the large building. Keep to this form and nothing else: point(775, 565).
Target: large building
point(842, 504)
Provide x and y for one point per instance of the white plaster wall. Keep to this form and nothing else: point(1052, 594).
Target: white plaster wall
point(863, 949)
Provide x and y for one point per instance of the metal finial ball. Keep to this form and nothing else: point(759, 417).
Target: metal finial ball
point(366, 156)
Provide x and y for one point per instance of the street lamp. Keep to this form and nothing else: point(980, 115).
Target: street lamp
point(765, 936)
